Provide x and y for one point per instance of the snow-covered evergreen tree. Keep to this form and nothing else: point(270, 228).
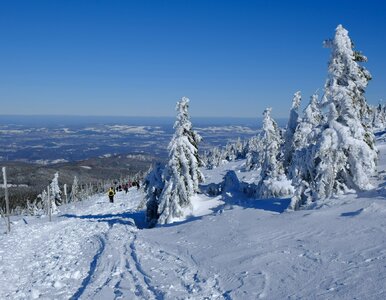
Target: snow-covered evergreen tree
point(75, 190)
point(232, 151)
point(302, 168)
point(182, 172)
point(346, 84)
point(379, 117)
point(344, 91)
point(305, 135)
point(312, 118)
point(211, 158)
point(240, 149)
point(153, 186)
point(254, 154)
point(293, 121)
point(344, 155)
point(55, 194)
point(273, 182)
point(343, 161)
point(35, 207)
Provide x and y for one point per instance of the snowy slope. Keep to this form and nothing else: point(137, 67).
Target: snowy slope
point(233, 248)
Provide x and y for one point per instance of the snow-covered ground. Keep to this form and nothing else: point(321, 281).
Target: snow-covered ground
point(232, 248)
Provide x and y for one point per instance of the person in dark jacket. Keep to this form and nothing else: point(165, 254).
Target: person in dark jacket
point(111, 194)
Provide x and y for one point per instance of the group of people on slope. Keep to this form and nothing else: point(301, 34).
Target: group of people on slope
point(121, 187)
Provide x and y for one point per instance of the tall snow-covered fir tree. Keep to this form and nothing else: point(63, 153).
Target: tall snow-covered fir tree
point(344, 91)
point(273, 182)
point(293, 121)
point(182, 174)
point(346, 85)
point(344, 155)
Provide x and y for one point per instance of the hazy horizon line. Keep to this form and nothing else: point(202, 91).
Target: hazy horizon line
point(123, 116)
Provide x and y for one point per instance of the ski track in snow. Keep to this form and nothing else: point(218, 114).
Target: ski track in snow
point(117, 272)
point(176, 277)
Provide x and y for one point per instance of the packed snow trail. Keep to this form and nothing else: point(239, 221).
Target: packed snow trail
point(68, 257)
point(242, 249)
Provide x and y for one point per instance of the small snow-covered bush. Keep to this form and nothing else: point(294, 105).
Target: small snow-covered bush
point(277, 187)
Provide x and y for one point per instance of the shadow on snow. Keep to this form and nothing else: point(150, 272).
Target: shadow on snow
point(135, 218)
point(276, 205)
point(352, 213)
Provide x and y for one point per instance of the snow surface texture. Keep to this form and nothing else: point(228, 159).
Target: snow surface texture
point(230, 248)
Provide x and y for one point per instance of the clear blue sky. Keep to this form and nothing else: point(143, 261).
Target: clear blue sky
point(137, 58)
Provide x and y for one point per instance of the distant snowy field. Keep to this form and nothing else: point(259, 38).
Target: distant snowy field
point(230, 248)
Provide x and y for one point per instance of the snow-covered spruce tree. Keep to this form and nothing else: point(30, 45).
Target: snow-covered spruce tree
point(379, 117)
point(344, 91)
point(344, 156)
point(383, 116)
point(230, 152)
point(273, 182)
point(306, 134)
point(240, 148)
point(212, 158)
point(55, 189)
point(254, 154)
point(234, 150)
point(75, 190)
point(293, 121)
point(55, 194)
point(182, 172)
point(346, 84)
point(42, 198)
point(153, 186)
point(302, 168)
point(312, 118)
point(217, 157)
point(34, 207)
point(333, 161)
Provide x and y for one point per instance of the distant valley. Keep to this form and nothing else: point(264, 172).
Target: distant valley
point(51, 139)
point(95, 149)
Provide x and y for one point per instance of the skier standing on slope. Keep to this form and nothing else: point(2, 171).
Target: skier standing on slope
point(111, 194)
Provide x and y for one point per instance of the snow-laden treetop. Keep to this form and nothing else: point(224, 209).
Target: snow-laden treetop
point(344, 71)
point(183, 121)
